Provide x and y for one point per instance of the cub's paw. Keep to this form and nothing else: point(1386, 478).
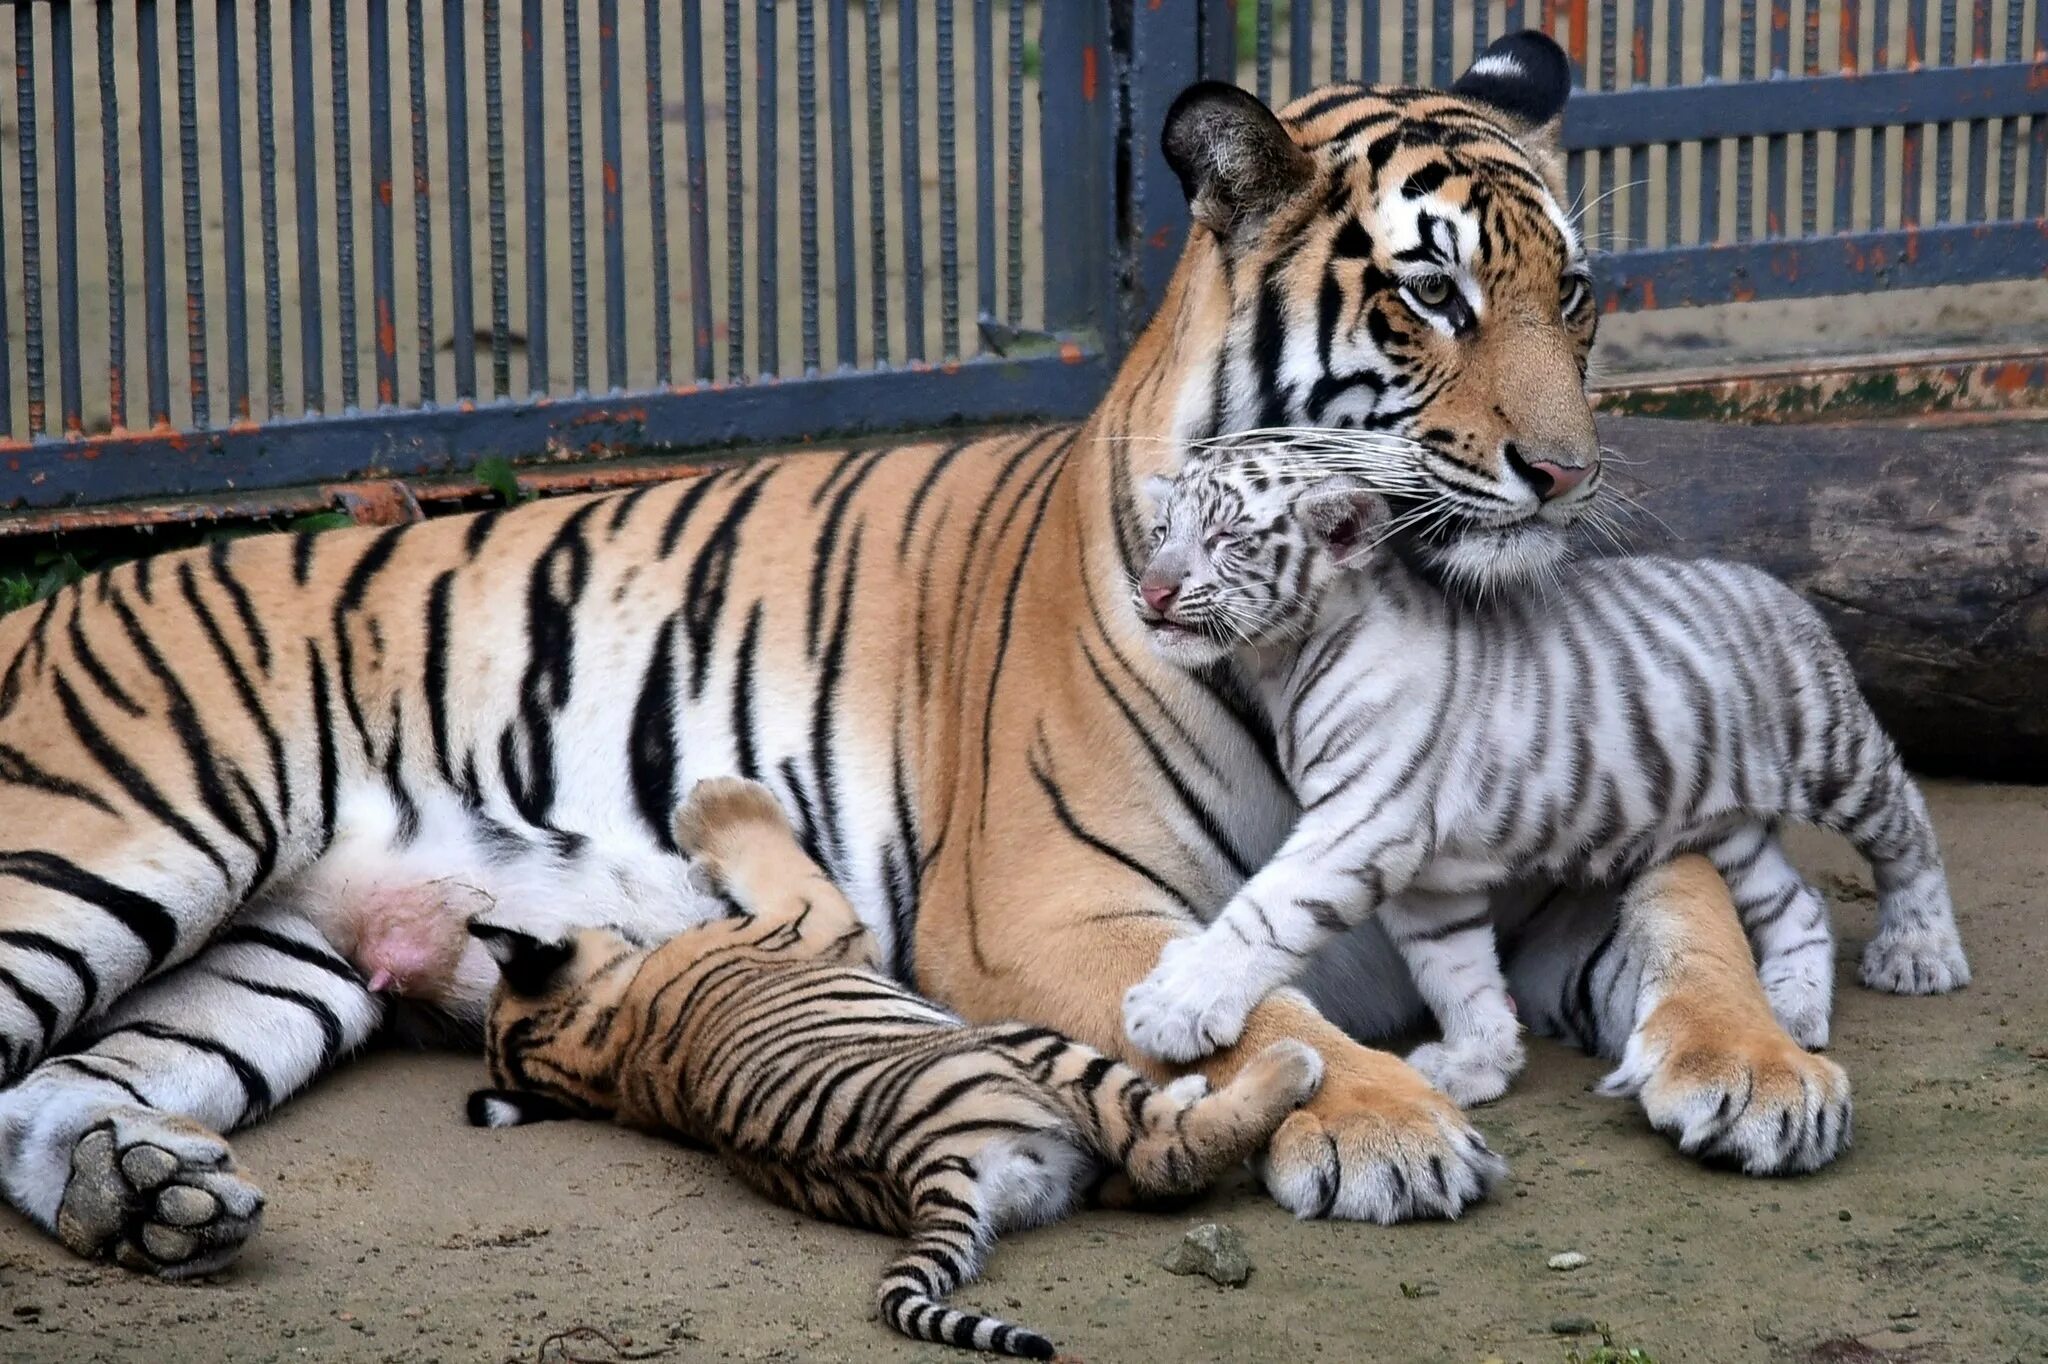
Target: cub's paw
point(1186, 1008)
point(1916, 962)
point(1380, 1152)
point(1470, 1072)
point(1747, 1096)
point(156, 1193)
point(1802, 1004)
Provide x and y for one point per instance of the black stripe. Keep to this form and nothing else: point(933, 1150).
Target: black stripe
point(827, 543)
point(679, 515)
point(744, 667)
point(651, 746)
point(923, 491)
point(245, 692)
point(148, 920)
point(332, 1038)
point(1073, 826)
point(81, 649)
point(78, 1063)
point(254, 935)
point(245, 610)
point(139, 788)
point(823, 718)
point(480, 527)
point(26, 940)
point(302, 556)
point(711, 576)
point(18, 769)
point(435, 680)
point(1009, 618)
point(256, 1092)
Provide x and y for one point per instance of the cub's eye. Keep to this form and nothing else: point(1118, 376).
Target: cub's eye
point(1572, 291)
point(1432, 291)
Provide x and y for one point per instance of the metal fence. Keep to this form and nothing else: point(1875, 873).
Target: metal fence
point(595, 228)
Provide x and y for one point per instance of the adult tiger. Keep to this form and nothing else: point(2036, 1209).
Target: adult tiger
point(925, 650)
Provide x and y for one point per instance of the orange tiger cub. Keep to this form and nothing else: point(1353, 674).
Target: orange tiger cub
point(772, 1037)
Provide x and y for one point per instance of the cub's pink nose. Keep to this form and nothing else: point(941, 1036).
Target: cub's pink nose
point(1563, 477)
point(1158, 596)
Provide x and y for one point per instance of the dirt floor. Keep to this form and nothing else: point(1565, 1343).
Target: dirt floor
point(397, 1233)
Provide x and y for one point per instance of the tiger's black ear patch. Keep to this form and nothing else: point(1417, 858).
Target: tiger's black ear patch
point(512, 1108)
point(1235, 160)
point(528, 964)
point(1524, 75)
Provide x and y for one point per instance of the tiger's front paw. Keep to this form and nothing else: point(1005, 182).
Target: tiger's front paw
point(1383, 1147)
point(1736, 1091)
point(1186, 1008)
point(158, 1194)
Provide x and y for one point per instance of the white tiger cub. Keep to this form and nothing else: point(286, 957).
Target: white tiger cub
point(1440, 747)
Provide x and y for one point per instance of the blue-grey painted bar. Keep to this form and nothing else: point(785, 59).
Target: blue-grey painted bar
point(1845, 139)
point(1711, 150)
point(461, 247)
point(1745, 149)
point(1216, 27)
point(1776, 221)
point(807, 173)
point(878, 203)
point(64, 121)
point(846, 302)
point(1263, 51)
point(155, 286)
point(446, 440)
point(1078, 173)
point(312, 341)
point(910, 162)
point(273, 304)
point(1163, 63)
point(495, 199)
point(1979, 164)
point(1674, 155)
point(110, 188)
point(767, 223)
point(949, 187)
point(1369, 43)
point(536, 192)
point(1013, 203)
point(1480, 35)
point(383, 263)
point(1880, 58)
point(735, 205)
point(1627, 118)
point(422, 200)
point(579, 242)
point(1440, 67)
point(657, 199)
point(1809, 144)
point(344, 204)
point(1639, 159)
point(2037, 164)
point(1608, 25)
point(28, 208)
point(233, 253)
point(1947, 137)
point(1411, 42)
point(1911, 182)
point(2009, 129)
point(6, 360)
point(611, 143)
point(195, 243)
point(1340, 39)
point(984, 158)
point(1301, 46)
point(699, 165)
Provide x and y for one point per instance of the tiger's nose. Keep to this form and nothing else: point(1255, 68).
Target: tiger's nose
point(1159, 596)
point(1547, 478)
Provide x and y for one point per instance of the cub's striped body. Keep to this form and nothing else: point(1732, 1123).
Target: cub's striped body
point(925, 650)
point(1441, 748)
point(773, 1038)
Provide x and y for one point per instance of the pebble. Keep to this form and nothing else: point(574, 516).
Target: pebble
point(1214, 1251)
point(1573, 1326)
point(1566, 1261)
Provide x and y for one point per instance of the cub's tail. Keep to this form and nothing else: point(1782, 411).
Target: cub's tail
point(944, 1251)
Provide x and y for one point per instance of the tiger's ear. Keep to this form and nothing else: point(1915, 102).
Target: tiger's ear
point(1235, 161)
point(528, 964)
point(1344, 517)
point(1525, 78)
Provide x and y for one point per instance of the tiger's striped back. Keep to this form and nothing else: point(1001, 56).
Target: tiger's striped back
point(772, 1037)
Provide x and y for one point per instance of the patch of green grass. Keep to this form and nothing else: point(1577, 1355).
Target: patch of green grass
point(499, 476)
point(1607, 1352)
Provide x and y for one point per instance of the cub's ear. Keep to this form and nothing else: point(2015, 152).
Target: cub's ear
point(512, 1108)
point(1344, 517)
point(528, 964)
point(1235, 160)
point(1526, 78)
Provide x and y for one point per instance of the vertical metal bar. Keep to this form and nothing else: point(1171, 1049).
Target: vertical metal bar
point(1301, 47)
point(1216, 39)
point(339, 26)
point(1910, 207)
point(1411, 42)
point(1441, 71)
point(807, 173)
point(1809, 143)
point(383, 267)
point(1078, 166)
point(6, 361)
point(313, 380)
point(1340, 39)
point(910, 161)
point(1163, 63)
point(461, 250)
point(2009, 128)
point(767, 224)
point(949, 189)
point(1674, 154)
point(1609, 27)
point(495, 197)
point(878, 204)
point(110, 191)
point(1845, 138)
point(422, 193)
point(28, 207)
point(1369, 43)
point(273, 304)
point(1515, 17)
point(1946, 137)
point(155, 286)
point(1013, 203)
point(699, 160)
point(1711, 150)
point(234, 260)
point(195, 243)
point(1978, 166)
point(735, 205)
point(579, 244)
point(984, 158)
point(1639, 156)
point(1480, 34)
point(846, 303)
point(64, 116)
point(1880, 58)
point(611, 142)
point(1263, 51)
point(1745, 148)
point(657, 199)
point(536, 189)
point(1775, 146)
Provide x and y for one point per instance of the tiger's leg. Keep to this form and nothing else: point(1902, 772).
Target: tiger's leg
point(115, 1146)
point(1668, 986)
point(1787, 924)
point(1448, 943)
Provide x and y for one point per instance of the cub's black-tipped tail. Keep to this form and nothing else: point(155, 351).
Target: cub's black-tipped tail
point(512, 1108)
point(918, 1315)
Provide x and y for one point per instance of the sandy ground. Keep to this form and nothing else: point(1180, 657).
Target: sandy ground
point(396, 1233)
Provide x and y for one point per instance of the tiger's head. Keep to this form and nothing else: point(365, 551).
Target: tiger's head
point(546, 1058)
point(1396, 264)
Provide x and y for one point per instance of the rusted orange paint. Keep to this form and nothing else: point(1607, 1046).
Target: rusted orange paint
point(2037, 75)
point(1912, 249)
point(384, 193)
point(1088, 74)
point(1161, 239)
point(1582, 31)
point(611, 178)
point(1846, 64)
point(1649, 295)
point(2013, 377)
point(1640, 47)
point(1781, 16)
point(1070, 353)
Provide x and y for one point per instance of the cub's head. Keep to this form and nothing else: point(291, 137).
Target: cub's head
point(1244, 549)
point(546, 1038)
point(1397, 264)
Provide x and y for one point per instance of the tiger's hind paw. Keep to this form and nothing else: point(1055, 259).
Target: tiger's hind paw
point(157, 1194)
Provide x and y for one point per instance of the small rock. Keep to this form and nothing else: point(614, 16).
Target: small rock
point(1566, 1261)
point(1844, 1216)
point(1214, 1251)
point(1573, 1326)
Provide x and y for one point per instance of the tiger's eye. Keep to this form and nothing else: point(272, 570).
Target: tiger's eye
point(1432, 291)
point(1569, 291)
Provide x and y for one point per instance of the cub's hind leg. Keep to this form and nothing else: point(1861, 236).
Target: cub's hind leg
point(114, 1145)
point(1447, 942)
point(951, 1227)
point(1788, 928)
